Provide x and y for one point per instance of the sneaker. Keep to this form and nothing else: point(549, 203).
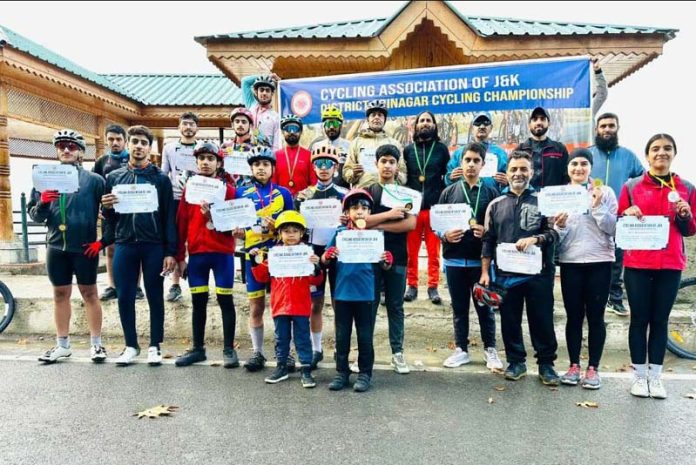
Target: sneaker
point(191, 356)
point(434, 296)
point(354, 367)
point(279, 374)
point(657, 390)
point(316, 358)
point(548, 375)
point(108, 294)
point(256, 362)
point(127, 356)
point(154, 356)
point(230, 359)
point(639, 387)
point(291, 364)
point(572, 376)
point(515, 371)
point(97, 354)
point(458, 358)
point(307, 379)
point(174, 293)
point(52, 356)
point(339, 382)
point(591, 379)
point(493, 362)
point(617, 308)
point(411, 294)
point(399, 364)
point(362, 384)
point(139, 294)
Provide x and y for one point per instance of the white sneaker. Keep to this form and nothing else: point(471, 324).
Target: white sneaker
point(154, 356)
point(458, 358)
point(657, 390)
point(52, 356)
point(97, 354)
point(354, 367)
point(639, 388)
point(492, 360)
point(127, 356)
point(399, 364)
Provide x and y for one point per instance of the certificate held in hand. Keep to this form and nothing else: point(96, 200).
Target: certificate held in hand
point(365, 246)
point(321, 213)
point(290, 261)
point(571, 199)
point(61, 178)
point(444, 217)
point(135, 198)
point(509, 259)
point(203, 188)
point(648, 233)
point(394, 196)
point(232, 214)
point(236, 163)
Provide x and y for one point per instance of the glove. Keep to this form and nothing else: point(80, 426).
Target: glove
point(388, 259)
point(49, 196)
point(93, 249)
point(330, 254)
point(182, 178)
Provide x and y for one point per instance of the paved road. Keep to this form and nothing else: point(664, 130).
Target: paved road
point(77, 413)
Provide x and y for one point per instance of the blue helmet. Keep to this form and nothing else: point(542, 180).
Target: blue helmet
point(261, 152)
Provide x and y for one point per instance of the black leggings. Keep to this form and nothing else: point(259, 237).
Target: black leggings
point(585, 288)
point(651, 294)
point(199, 316)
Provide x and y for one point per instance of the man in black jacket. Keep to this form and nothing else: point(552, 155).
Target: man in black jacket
point(549, 157)
point(146, 240)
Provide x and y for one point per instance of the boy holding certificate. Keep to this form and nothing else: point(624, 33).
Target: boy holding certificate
point(208, 250)
point(291, 301)
point(354, 281)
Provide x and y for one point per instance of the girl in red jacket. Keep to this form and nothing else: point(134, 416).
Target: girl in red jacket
point(291, 301)
point(652, 276)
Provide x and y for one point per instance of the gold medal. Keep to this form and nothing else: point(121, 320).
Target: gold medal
point(472, 222)
point(597, 183)
point(62, 227)
point(360, 223)
point(291, 183)
point(421, 178)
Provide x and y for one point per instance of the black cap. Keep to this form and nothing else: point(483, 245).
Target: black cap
point(580, 152)
point(539, 111)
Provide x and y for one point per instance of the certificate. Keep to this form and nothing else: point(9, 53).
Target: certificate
point(61, 178)
point(448, 216)
point(649, 233)
point(394, 196)
point(321, 213)
point(490, 168)
point(236, 163)
point(571, 199)
point(509, 259)
point(231, 214)
point(368, 160)
point(186, 162)
point(203, 188)
point(135, 198)
point(360, 246)
point(290, 261)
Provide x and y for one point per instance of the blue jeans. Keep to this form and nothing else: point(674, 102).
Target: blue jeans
point(299, 327)
point(394, 287)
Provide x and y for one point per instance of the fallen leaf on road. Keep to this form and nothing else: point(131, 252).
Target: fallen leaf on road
point(167, 355)
point(623, 368)
point(22, 342)
point(216, 363)
point(691, 395)
point(157, 411)
point(553, 388)
point(451, 346)
point(583, 357)
point(490, 400)
point(498, 371)
point(670, 370)
point(500, 388)
point(587, 404)
point(473, 342)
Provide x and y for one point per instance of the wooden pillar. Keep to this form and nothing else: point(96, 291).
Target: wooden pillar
point(6, 233)
point(100, 140)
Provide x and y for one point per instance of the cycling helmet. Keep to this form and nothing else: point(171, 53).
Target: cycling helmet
point(327, 152)
point(208, 147)
point(332, 112)
point(70, 136)
point(357, 196)
point(264, 80)
point(242, 111)
point(376, 105)
point(260, 152)
point(290, 217)
point(288, 119)
point(491, 296)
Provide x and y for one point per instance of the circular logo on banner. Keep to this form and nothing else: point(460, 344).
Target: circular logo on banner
point(301, 103)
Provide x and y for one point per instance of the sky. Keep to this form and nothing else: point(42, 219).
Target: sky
point(142, 37)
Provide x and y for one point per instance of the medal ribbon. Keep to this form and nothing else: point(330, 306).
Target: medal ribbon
point(468, 200)
point(425, 160)
point(291, 171)
point(671, 184)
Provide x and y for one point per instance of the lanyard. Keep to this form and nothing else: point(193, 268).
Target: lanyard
point(291, 171)
point(671, 184)
point(468, 200)
point(425, 160)
point(606, 173)
point(258, 194)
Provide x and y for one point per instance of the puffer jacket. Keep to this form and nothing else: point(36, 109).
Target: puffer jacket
point(369, 141)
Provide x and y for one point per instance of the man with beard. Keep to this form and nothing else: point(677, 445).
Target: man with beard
point(177, 158)
point(293, 163)
point(426, 164)
point(332, 123)
point(258, 97)
point(613, 165)
point(244, 140)
point(549, 157)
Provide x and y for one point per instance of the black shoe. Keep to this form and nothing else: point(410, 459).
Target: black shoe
point(515, 371)
point(195, 355)
point(108, 294)
point(174, 293)
point(278, 375)
point(339, 382)
point(411, 294)
point(434, 296)
point(256, 362)
point(230, 359)
point(139, 295)
point(307, 379)
point(362, 384)
point(316, 358)
point(291, 364)
point(548, 375)
point(617, 308)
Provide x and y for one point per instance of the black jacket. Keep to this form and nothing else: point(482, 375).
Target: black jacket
point(108, 163)
point(157, 227)
point(549, 160)
point(435, 170)
point(81, 214)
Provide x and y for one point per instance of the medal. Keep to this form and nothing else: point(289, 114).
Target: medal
point(210, 225)
point(408, 207)
point(360, 223)
point(673, 196)
point(472, 222)
point(597, 182)
point(257, 229)
point(62, 227)
point(291, 183)
point(258, 258)
point(421, 178)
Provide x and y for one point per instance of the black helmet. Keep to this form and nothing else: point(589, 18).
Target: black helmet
point(264, 80)
point(288, 119)
point(208, 147)
point(70, 136)
point(376, 105)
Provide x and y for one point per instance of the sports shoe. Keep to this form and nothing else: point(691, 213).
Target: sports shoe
point(307, 379)
point(515, 371)
point(316, 358)
point(572, 376)
point(97, 354)
point(591, 379)
point(339, 382)
point(154, 356)
point(362, 384)
point(52, 356)
point(657, 390)
point(108, 294)
point(458, 358)
point(191, 356)
point(548, 375)
point(639, 387)
point(354, 367)
point(399, 364)
point(127, 356)
point(493, 362)
point(434, 296)
point(256, 362)
point(617, 308)
point(279, 374)
point(174, 293)
point(411, 294)
point(230, 359)
point(291, 364)
point(139, 294)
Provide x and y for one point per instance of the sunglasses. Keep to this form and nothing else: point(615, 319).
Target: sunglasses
point(324, 164)
point(480, 123)
point(332, 124)
point(72, 146)
point(292, 129)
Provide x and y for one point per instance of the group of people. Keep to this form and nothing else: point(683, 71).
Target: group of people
point(179, 239)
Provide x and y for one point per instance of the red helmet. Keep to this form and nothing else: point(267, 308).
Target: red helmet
point(356, 196)
point(208, 147)
point(491, 296)
point(242, 111)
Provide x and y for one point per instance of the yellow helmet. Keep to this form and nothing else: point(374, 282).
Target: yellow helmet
point(290, 217)
point(332, 112)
